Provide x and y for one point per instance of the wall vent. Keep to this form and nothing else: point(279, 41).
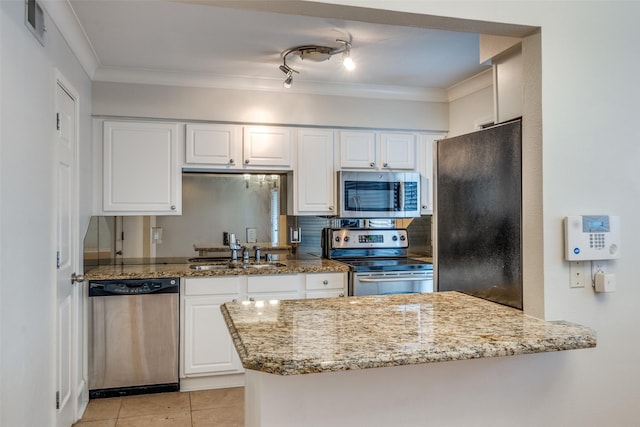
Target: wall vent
point(34, 19)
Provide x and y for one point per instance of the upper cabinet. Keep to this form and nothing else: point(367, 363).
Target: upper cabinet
point(398, 150)
point(377, 151)
point(141, 175)
point(234, 147)
point(267, 146)
point(313, 191)
point(219, 145)
point(425, 167)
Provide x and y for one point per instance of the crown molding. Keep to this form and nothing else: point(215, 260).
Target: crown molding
point(471, 85)
point(65, 19)
point(190, 79)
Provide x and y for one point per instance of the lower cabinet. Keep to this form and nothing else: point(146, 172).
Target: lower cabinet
point(206, 344)
point(208, 356)
point(325, 285)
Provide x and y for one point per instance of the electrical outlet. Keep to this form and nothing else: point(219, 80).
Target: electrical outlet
point(577, 274)
point(599, 266)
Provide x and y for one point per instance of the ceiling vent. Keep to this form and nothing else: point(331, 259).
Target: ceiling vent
point(34, 19)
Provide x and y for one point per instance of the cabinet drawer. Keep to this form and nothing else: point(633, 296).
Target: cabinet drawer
point(212, 286)
point(276, 283)
point(316, 281)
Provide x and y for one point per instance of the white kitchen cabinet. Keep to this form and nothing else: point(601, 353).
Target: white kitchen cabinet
point(397, 150)
point(267, 146)
point(141, 175)
point(358, 149)
point(313, 190)
point(214, 144)
point(274, 287)
point(377, 150)
point(207, 348)
point(325, 285)
point(425, 167)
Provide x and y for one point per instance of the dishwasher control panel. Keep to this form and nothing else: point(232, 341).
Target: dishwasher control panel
point(133, 287)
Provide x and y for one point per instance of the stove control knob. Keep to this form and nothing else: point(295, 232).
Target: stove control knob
point(337, 239)
point(403, 238)
point(346, 238)
point(394, 238)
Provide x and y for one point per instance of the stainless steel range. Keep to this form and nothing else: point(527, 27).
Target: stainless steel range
point(378, 260)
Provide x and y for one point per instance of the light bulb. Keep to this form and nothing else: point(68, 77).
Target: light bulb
point(348, 63)
point(288, 81)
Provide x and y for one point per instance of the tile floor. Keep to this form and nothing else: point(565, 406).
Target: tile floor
point(207, 408)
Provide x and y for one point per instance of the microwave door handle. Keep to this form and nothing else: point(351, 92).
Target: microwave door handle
point(396, 279)
point(401, 191)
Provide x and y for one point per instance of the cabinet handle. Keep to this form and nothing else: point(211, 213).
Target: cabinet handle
point(372, 164)
point(341, 294)
point(424, 206)
point(231, 161)
point(173, 207)
point(246, 161)
point(384, 165)
point(325, 282)
point(234, 300)
point(252, 299)
point(330, 208)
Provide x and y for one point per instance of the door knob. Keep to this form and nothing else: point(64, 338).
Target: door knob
point(76, 278)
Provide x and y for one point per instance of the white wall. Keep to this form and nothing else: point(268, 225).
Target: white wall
point(474, 106)
point(589, 152)
point(187, 103)
point(27, 228)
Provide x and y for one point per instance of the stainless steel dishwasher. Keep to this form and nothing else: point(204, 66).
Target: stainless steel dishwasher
point(133, 337)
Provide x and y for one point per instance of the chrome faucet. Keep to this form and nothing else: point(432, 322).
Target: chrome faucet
point(234, 245)
point(245, 254)
point(257, 249)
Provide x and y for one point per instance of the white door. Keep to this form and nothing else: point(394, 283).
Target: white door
point(67, 313)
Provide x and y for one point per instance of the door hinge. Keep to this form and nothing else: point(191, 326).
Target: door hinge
point(57, 121)
point(57, 400)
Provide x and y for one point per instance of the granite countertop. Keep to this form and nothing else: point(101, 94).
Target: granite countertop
point(153, 270)
point(337, 334)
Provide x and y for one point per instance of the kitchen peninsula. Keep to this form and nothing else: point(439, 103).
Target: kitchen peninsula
point(336, 340)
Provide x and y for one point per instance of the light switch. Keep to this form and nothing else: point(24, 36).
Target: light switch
point(252, 236)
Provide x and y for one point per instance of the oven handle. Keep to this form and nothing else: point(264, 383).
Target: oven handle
point(397, 279)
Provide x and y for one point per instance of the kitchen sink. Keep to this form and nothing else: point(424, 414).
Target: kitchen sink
point(262, 265)
point(232, 265)
point(220, 266)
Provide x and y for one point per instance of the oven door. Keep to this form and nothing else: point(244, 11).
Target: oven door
point(390, 282)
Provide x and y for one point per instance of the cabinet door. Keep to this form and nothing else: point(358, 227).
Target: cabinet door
point(218, 145)
point(425, 167)
point(398, 150)
point(208, 348)
point(267, 146)
point(314, 192)
point(358, 150)
point(140, 169)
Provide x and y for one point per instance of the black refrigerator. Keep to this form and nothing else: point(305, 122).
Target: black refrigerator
point(478, 214)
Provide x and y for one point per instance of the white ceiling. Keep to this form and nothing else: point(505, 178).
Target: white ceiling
point(190, 43)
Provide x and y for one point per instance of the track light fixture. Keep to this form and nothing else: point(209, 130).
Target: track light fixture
point(318, 54)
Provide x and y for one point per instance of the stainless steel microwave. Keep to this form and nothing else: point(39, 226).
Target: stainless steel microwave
point(378, 194)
